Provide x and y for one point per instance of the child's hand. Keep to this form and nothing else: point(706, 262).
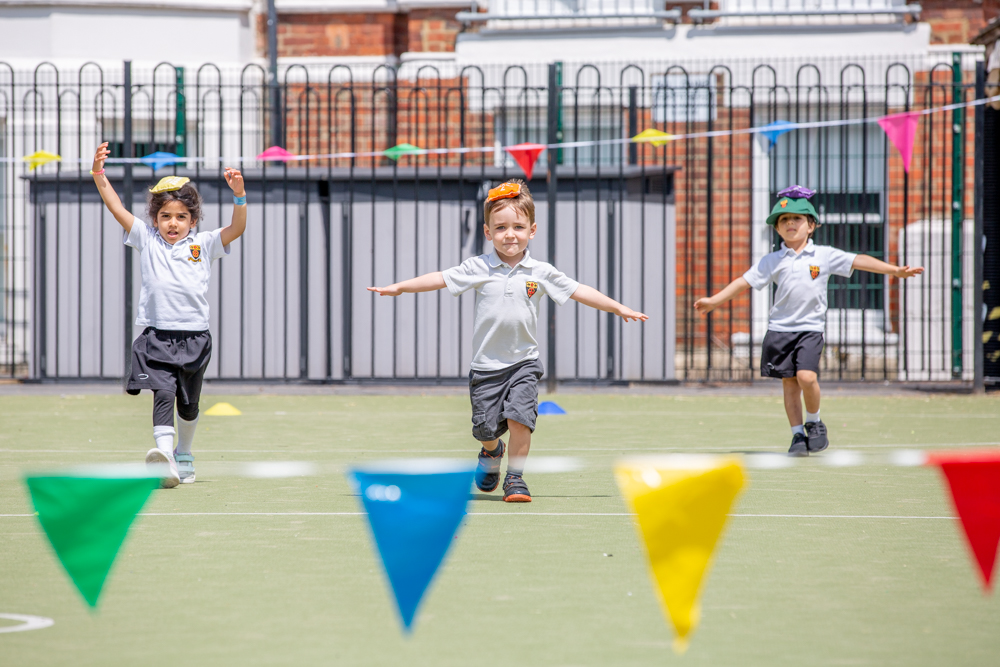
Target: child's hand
point(705, 305)
point(628, 314)
point(907, 272)
point(391, 290)
point(235, 180)
point(100, 156)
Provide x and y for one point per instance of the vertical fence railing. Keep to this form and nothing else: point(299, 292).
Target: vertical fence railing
point(655, 226)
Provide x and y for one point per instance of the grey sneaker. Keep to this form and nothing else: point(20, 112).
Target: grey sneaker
point(163, 464)
point(816, 434)
point(185, 467)
point(799, 446)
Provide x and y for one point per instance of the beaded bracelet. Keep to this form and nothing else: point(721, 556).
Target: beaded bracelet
point(96, 173)
point(240, 201)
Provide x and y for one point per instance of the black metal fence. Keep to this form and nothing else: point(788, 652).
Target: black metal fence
point(654, 226)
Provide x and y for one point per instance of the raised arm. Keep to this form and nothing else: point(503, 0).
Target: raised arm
point(869, 263)
point(589, 296)
point(425, 283)
point(107, 192)
point(239, 223)
point(707, 304)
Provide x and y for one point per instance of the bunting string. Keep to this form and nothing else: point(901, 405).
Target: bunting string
point(655, 137)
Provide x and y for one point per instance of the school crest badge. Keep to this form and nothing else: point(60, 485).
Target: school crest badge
point(532, 287)
point(195, 254)
point(784, 203)
point(814, 271)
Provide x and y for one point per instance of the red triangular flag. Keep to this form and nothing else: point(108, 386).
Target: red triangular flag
point(275, 153)
point(525, 155)
point(974, 480)
point(901, 128)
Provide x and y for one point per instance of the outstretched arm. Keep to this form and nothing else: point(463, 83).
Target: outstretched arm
point(588, 296)
point(707, 304)
point(239, 223)
point(869, 263)
point(107, 192)
point(425, 283)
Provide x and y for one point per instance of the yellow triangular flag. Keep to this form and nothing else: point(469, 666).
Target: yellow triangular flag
point(223, 410)
point(38, 158)
point(681, 503)
point(651, 136)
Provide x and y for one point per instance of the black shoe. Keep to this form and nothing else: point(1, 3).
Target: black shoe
point(488, 470)
point(800, 445)
point(515, 490)
point(816, 434)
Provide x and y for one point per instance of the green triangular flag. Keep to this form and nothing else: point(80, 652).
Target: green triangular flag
point(400, 150)
point(86, 518)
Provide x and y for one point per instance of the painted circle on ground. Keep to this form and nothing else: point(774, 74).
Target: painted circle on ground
point(27, 622)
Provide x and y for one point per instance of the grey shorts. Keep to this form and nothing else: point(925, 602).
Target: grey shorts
point(510, 393)
point(783, 353)
point(169, 360)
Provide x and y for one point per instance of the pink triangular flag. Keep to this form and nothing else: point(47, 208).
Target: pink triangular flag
point(275, 153)
point(974, 480)
point(901, 128)
point(525, 155)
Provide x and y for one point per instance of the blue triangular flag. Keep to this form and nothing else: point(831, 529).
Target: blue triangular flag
point(159, 160)
point(414, 509)
point(550, 408)
point(777, 128)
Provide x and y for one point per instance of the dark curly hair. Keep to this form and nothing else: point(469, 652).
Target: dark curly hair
point(187, 195)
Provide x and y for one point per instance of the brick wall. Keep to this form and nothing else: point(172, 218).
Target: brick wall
point(957, 21)
point(303, 35)
point(432, 30)
point(360, 34)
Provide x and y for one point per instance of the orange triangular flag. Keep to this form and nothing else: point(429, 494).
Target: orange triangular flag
point(526, 155)
point(974, 480)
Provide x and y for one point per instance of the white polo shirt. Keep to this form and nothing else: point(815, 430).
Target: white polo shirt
point(175, 278)
point(507, 302)
point(800, 299)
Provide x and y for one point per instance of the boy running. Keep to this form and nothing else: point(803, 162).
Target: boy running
point(794, 341)
point(509, 284)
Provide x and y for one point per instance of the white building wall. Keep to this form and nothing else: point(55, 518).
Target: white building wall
point(142, 31)
point(691, 42)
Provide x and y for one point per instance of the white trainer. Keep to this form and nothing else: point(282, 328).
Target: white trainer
point(185, 467)
point(163, 464)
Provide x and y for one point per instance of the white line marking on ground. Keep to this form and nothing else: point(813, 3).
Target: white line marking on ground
point(27, 622)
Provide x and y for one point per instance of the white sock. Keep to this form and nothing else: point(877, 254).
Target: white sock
point(799, 429)
point(812, 416)
point(185, 434)
point(164, 437)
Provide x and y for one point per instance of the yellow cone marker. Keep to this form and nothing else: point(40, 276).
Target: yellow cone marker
point(651, 136)
point(681, 503)
point(223, 410)
point(38, 158)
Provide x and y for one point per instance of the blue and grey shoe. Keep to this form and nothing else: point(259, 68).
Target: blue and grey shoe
point(185, 467)
point(488, 470)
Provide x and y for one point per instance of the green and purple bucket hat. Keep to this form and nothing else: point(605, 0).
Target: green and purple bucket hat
point(793, 200)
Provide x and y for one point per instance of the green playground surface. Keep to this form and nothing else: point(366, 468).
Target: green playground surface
point(819, 566)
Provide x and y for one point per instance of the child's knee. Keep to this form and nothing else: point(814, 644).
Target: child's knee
point(518, 427)
point(806, 377)
point(187, 411)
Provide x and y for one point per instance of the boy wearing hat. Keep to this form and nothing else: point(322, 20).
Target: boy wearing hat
point(794, 342)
